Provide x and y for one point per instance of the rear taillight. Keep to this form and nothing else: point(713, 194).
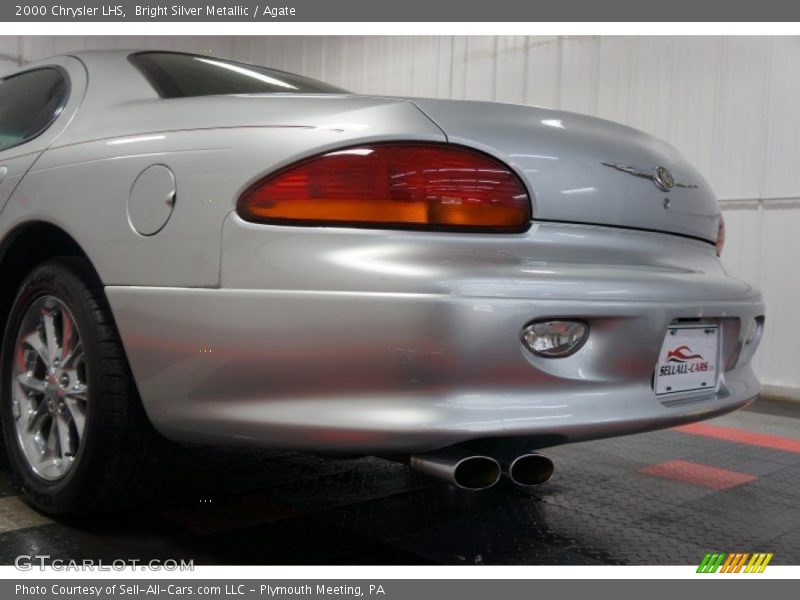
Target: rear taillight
point(396, 185)
point(720, 235)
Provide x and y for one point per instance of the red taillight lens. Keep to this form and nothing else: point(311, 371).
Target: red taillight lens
point(400, 185)
point(720, 235)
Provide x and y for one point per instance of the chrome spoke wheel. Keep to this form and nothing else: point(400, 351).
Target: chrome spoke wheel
point(50, 389)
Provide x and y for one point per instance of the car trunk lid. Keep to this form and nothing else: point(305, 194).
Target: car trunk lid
point(583, 169)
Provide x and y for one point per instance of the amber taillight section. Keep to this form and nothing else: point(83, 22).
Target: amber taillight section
point(399, 185)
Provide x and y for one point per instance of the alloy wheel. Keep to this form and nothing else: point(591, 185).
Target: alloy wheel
point(50, 388)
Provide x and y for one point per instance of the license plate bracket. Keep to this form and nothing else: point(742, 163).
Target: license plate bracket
point(689, 360)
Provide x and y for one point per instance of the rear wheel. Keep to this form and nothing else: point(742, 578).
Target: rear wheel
point(77, 437)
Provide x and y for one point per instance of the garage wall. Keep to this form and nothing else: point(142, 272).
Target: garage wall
point(732, 105)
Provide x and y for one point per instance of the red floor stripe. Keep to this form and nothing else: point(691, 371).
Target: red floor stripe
point(765, 440)
point(697, 474)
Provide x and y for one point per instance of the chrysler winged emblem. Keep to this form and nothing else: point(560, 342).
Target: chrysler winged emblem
point(661, 176)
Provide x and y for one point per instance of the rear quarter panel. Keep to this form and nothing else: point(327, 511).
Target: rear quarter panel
point(83, 185)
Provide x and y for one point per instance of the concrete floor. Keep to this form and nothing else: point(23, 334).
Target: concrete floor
point(731, 485)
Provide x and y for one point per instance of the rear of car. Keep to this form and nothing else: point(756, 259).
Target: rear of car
point(391, 293)
point(290, 265)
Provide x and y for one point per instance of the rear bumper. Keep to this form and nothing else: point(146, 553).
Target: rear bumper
point(401, 371)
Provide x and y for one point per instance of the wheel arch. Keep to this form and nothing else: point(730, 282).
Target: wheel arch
point(22, 249)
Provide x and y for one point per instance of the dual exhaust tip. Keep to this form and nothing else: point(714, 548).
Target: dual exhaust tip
point(477, 472)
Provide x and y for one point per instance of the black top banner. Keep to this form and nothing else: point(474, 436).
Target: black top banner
point(401, 10)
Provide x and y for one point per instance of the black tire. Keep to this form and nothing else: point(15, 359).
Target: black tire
point(114, 464)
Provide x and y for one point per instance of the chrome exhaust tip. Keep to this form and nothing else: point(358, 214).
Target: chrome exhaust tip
point(459, 467)
point(528, 470)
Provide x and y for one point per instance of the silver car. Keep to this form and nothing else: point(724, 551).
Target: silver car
point(209, 252)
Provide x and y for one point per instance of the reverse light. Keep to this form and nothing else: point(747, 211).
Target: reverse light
point(393, 185)
point(720, 235)
point(555, 339)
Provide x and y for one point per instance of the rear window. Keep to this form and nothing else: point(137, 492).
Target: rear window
point(176, 75)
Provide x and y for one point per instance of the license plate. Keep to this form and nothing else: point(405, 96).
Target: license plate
point(688, 360)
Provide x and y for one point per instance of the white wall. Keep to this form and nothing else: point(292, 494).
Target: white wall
point(732, 105)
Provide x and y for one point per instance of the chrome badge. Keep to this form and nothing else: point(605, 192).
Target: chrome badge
point(664, 179)
point(661, 176)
